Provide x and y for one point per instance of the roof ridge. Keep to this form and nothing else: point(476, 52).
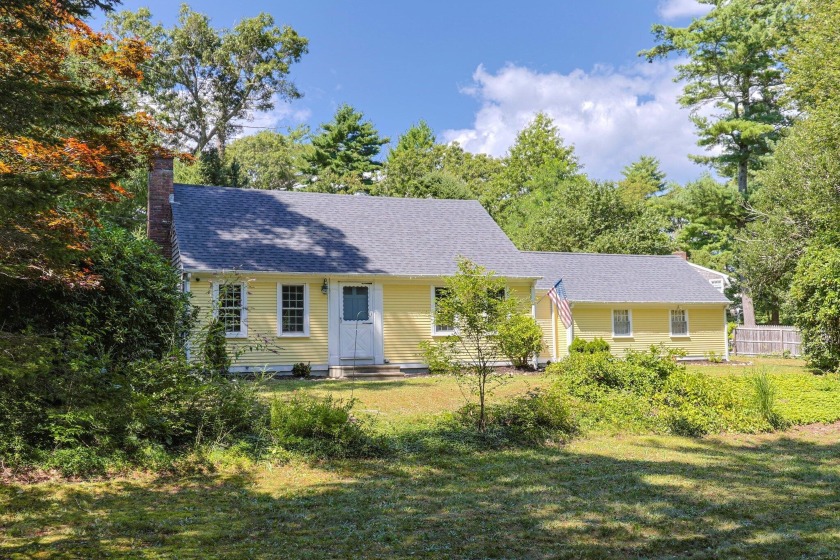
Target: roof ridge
point(599, 254)
point(329, 195)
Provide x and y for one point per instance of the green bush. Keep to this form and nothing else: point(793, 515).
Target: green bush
point(597, 345)
point(533, 419)
point(814, 295)
point(214, 348)
point(580, 346)
point(322, 427)
point(520, 338)
point(301, 370)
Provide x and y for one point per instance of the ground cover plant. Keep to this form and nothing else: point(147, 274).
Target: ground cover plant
point(598, 495)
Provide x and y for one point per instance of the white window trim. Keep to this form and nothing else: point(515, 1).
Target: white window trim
point(243, 320)
point(629, 318)
point(436, 332)
point(280, 332)
point(671, 325)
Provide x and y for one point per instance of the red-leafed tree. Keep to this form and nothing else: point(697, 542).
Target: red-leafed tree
point(67, 134)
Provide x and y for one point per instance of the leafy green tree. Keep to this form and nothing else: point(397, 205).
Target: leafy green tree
point(734, 64)
point(343, 152)
point(578, 215)
point(537, 146)
point(416, 154)
point(706, 217)
point(474, 305)
point(203, 82)
point(270, 160)
point(642, 179)
point(209, 169)
point(815, 298)
point(814, 60)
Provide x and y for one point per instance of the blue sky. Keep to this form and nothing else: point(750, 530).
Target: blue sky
point(478, 71)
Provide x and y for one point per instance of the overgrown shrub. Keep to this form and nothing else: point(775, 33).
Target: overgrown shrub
point(214, 349)
point(520, 339)
point(302, 370)
point(98, 379)
point(814, 294)
point(581, 346)
point(322, 427)
point(535, 418)
point(652, 391)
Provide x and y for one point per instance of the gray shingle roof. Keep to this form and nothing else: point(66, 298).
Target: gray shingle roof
point(623, 278)
point(276, 231)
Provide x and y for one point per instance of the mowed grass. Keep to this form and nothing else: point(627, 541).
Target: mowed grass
point(727, 496)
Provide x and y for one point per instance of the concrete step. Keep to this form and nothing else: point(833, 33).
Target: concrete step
point(368, 372)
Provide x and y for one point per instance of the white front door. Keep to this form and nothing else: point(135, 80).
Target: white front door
point(356, 332)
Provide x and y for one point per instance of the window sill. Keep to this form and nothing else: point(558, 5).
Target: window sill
point(623, 336)
point(293, 335)
point(236, 335)
point(680, 336)
point(443, 334)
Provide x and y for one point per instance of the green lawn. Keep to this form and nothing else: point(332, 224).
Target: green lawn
point(729, 496)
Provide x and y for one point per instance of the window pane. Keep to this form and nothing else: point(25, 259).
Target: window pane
point(292, 309)
point(355, 302)
point(621, 322)
point(230, 307)
point(679, 322)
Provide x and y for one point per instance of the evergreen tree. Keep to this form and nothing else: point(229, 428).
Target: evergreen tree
point(734, 64)
point(642, 179)
point(343, 152)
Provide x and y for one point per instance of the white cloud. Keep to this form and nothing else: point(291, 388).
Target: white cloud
point(611, 116)
point(676, 9)
point(283, 114)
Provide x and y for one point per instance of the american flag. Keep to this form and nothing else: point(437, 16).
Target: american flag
point(558, 296)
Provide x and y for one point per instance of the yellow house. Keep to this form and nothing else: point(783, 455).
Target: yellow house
point(349, 282)
point(344, 283)
point(632, 302)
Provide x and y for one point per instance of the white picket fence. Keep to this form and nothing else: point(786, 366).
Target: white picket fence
point(767, 340)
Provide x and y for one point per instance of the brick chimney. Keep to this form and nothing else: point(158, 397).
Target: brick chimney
point(159, 209)
point(681, 254)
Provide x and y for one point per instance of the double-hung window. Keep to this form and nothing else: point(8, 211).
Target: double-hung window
point(622, 323)
point(438, 294)
point(293, 309)
point(679, 322)
point(231, 310)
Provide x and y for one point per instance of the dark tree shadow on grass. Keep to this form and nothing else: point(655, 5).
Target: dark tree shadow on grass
point(644, 498)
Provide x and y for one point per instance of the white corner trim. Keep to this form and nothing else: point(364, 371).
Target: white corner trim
point(279, 306)
point(725, 336)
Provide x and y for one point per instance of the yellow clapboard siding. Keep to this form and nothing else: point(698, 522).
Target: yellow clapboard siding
point(407, 317)
point(263, 346)
point(406, 320)
point(651, 326)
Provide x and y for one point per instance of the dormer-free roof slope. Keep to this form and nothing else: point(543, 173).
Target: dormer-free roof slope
point(222, 228)
point(591, 277)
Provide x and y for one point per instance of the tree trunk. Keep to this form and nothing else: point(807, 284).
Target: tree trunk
point(774, 316)
point(748, 310)
point(482, 420)
point(742, 177)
